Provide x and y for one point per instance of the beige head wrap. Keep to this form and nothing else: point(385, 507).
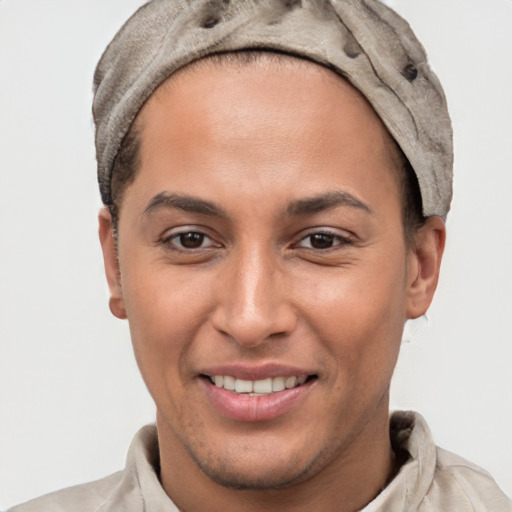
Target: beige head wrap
point(362, 40)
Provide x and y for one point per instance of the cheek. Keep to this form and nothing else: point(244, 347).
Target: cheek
point(166, 307)
point(359, 314)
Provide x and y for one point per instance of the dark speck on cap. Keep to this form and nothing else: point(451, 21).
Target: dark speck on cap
point(210, 22)
point(352, 50)
point(292, 3)
point(410, 72)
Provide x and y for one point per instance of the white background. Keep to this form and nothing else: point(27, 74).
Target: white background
point(70, 394)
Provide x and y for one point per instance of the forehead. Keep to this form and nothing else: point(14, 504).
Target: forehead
point(243, 87)
point(272, 119)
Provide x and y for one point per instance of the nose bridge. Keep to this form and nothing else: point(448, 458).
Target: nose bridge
point(253, 303)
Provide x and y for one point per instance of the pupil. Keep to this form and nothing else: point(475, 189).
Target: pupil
point(321, 241)
point(191, 240)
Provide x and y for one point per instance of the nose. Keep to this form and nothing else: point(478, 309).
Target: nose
point(253, 300)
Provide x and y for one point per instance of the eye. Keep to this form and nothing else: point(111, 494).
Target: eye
point(189, 240)
point(322, 240)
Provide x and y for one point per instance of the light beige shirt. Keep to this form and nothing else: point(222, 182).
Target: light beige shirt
point(432, 480)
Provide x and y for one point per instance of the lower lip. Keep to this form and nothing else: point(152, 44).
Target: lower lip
point(243, 407)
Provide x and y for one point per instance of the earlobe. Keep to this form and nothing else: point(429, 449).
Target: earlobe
point(111, 262)
point(424, 265)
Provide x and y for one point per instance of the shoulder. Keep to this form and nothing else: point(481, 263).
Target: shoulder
point(125, 490)
point(81, 498)
point(433, 479)
point(457, 481)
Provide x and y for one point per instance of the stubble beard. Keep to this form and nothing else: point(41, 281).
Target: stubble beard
point(293, 473)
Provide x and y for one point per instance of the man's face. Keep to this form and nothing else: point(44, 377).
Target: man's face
point(262, 240)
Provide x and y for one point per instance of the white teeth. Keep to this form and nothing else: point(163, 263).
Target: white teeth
point(229, 383)
point(262, 386)
point(257, 387)
point(243, 386)
point(290, 382)
point(278, 384)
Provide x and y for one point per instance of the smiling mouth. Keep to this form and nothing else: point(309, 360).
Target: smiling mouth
point(260, 387)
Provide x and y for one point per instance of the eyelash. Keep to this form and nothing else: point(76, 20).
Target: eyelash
point(167, 241)
point(337, 241)
point(341, 240)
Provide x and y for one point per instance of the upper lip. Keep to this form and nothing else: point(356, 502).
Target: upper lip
point(253, 371)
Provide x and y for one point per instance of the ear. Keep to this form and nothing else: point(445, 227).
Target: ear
point(111, 262)
point(424, 261)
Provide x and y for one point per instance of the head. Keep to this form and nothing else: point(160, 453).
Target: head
point(264, 231)
point(251, 245)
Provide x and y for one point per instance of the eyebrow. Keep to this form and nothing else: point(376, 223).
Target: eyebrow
point(307, 206)
point(184, 202)
point(316, 204)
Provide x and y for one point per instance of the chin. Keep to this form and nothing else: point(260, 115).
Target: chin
point(265, 479)
point(258, 471)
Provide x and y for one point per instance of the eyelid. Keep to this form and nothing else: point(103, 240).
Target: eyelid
point(173, 233)
point(344, 239)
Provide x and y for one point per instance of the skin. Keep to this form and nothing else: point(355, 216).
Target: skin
point(258, 143)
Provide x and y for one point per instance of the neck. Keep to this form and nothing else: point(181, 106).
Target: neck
point(347, 484)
